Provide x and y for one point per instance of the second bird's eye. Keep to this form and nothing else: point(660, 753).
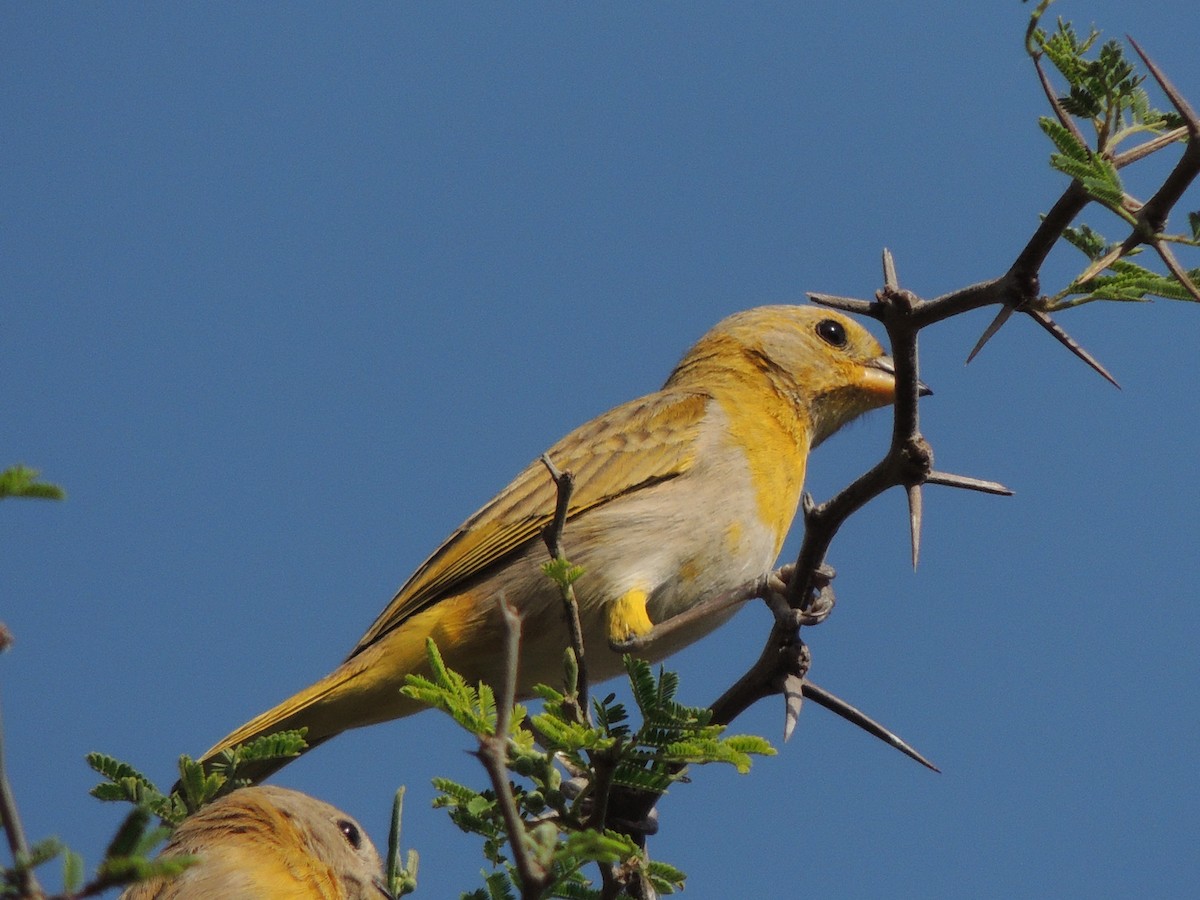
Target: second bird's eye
point(350, 831)
point(832, 332)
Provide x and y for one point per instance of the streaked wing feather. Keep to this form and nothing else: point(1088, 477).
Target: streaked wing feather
point(633, 446)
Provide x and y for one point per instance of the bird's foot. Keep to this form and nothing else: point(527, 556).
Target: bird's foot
point(777, 590)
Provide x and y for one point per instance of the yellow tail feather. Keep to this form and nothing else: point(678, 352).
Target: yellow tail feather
point(364, 690)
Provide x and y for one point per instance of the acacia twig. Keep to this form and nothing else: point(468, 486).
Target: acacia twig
point(15, 831)
point(493, 754)
point(565, 483)
point(783, 664)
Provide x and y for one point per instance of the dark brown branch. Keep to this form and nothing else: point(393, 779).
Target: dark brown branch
point(1020, 285)
point(565, 483)
point(908, 460)
point(1025, 268)
point(493, 754)
point(1173, 266)
point(1061, 114)
point(783, 664)
point(17, 845)
point(784, 655)
point(1018, 288)
point(1190, 120)
point(1151, 216)
point(1150, 147)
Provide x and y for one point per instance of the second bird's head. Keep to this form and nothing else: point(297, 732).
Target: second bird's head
point(826, 365)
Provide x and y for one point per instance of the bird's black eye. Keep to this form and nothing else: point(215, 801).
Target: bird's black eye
point(832, 332)
point(350, 831)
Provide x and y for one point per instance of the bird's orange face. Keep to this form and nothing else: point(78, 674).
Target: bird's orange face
point(828, 367)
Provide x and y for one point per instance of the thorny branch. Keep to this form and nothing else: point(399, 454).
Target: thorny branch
point(784, 662)
point(801, 594)
point(493, 754)
point(783, 666)
point(11, 820)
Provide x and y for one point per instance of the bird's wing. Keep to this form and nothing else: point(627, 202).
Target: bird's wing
point(633, 446)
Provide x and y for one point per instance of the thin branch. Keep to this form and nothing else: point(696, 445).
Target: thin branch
point(1061, 114)
point(28, 883)
point(783, 663)
point(1029, 261)
point(1004, 290)
point(1151, 217)
point(493, 754)
point(1173, 266)
point(512, 647)
point(1150, 147)
point(1190, 119)
point(565, 483)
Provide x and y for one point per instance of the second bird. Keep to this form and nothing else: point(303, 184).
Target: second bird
point(680, 495)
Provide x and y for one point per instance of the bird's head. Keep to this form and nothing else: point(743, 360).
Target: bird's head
point(829, 368)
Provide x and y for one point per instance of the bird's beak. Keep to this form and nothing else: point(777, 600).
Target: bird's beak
point(880, 375)
point(382, 888)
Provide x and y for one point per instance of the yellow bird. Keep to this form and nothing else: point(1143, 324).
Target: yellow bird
point(680, 495)
point(269, 843)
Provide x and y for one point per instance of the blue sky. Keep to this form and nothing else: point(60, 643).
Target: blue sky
point(291, 290)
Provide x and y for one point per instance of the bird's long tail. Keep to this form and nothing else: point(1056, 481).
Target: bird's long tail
point(363, 690)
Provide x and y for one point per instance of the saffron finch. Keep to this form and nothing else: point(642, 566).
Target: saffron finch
point(269, 843)
point(680, 495)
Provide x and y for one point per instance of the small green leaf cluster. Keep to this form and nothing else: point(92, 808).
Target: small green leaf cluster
point(127, 860)
point(651, 757)
point(474, 708)
point(128, 857)
point(21, 481)
point(12, 878)
point(562, 789)
point(1123, 281)
point(126, 784)
point(198, 785)
point(562, 572)
point(401, 868)
point(1095, 172)
point(1104, 89)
